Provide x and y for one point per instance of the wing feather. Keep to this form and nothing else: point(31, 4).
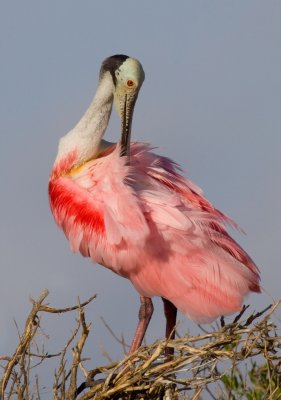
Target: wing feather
point(148, 223)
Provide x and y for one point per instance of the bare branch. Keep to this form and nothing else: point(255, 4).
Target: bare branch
point(64, 310)
point(30, 330)
point(198, 362)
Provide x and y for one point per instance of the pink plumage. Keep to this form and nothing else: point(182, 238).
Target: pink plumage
point(130, 210)
point(149, 224)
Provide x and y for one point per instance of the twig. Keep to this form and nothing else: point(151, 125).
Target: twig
point(120, 341)
point(71, 393)
point(145, 374)
point(52, 310)
point(30, 330)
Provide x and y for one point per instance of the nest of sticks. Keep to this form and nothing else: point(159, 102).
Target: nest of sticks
point(200, 361)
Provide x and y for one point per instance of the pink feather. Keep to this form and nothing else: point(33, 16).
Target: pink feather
point(149, 224)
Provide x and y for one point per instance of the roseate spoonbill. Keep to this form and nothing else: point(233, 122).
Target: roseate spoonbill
point(131, 211)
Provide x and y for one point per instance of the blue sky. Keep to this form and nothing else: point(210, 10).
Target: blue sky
point(211, 101)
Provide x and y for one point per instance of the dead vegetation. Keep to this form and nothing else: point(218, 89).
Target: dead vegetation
point(212, 364)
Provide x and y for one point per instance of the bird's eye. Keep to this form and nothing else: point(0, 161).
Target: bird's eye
point(130, 83)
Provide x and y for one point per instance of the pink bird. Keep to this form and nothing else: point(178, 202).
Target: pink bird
point(131, 211)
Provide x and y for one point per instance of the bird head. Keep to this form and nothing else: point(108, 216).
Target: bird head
point(127, 75)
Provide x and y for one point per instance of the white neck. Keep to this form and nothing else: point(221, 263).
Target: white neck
point(87, 135)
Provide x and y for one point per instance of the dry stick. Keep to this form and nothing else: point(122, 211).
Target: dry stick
point(61, 370)
point(29, 332)
point(71, 393)
point(11, 386)
point(37, 387)
point(120, 341)
point(137, 378)
point(24, 373)
point(147, 378)
point(52, 310)
point(31, 326)
point(5, 358)
point(43, 356)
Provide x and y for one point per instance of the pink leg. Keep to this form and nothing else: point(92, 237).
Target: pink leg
point(170, 312)
point(145, 313)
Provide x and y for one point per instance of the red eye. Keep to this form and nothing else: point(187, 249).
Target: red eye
point(130, 83)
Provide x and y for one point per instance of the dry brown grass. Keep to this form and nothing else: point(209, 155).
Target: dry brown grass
point(200, 361)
